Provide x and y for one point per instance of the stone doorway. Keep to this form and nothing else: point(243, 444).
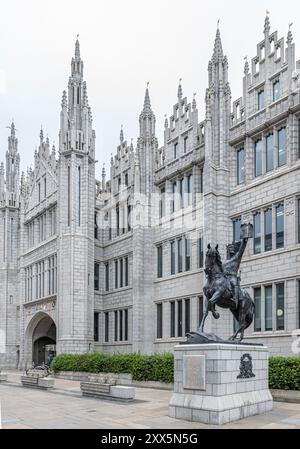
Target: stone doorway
point(40, 344)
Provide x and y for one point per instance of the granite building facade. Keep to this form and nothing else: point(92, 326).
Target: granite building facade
point(117, 265)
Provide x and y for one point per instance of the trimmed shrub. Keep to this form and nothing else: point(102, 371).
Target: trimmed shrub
point(284, 373)
point(156, 367)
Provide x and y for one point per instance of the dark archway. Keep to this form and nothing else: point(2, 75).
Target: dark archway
point(43, 338)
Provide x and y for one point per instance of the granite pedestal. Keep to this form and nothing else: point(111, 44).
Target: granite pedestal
point(217, 383)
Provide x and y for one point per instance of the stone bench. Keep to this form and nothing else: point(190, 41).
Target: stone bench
point(3, 377)
point(44, 383)
point(107, 391)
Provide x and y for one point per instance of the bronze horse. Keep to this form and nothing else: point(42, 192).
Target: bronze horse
point(220, 290)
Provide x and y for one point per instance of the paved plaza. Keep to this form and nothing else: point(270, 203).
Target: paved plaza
point(64, 408)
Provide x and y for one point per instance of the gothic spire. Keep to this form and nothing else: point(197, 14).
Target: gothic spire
point(218, 49)
point(77, 48)
point(267, 23)
point(121, 134)
point(289, 35)
point(179, 94)
point(147, 105)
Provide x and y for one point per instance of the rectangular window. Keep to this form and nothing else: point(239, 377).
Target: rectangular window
point(190, 189)
point(118, 220)
point(96, 276)
point(45, 187)
point(39, 192)
point(261, 100)
point(181, 193)
point(126, 272)
point(257, 315)
point(257, 233)
point(69, 196)
point(116, 325)
point(176, 152)
point(172, 317)
point(282, 155)
point(121, 324)
point(129, 217)
point(116, 274)
point(186, 146)
point(179, 318)
point(200, 310)
point(201, 180)
point(126, 325)
point(106, 327)
point(159, 330)
point(126, 179)
point(187, 315)
point(159, 262)
point(121, 272)
point(269, 152)
point(280, 226)
point(95, 226)
point(78, 195)
point(268, 308)
point(187, 254)
point(241, 166)
point(162, 202)
point(280, 307)
point(96, 326)
point(173, 197)
point(268, 229)
point(107, 277)
point(179, 248)
point(276, 90)
point(258, 157)
point(237, 229)
point(173, 257)
point(200, 252)
point(298, 220)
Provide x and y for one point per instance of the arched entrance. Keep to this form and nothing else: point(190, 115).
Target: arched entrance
point(41, 338)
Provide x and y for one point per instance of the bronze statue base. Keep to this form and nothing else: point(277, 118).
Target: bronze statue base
point(196, 338)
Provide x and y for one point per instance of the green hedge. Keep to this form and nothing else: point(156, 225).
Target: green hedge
point(284, 373)
point(157, 367)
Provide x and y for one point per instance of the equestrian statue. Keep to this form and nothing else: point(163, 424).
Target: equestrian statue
point(222, 289)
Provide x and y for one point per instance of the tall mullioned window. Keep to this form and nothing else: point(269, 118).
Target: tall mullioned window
point(172, 257)
point(116, 274)
point(179, 254)
point(187, 254)
point(190, 189)
point(106, 327)
point(78, 195)
point(282, 153)
point(276, 90)
point(96, 326)
point(107, 277)
point(257, 233)
point(96, 276)
point(257, 303)
point(126, 271)
point(176, 150)
point(268, 229)
point(179, 318)
point(200, 252)
point(173, 197)
point(269, 152)
point(268, 308)
point(162, 202)
point(159, 320)
point(159, 261)
point(258, 157)
point(241, 166)
point(237, 229)
point(187, 304)
point(261, 100)
point(299, 220)
point(280, 306)
point(181, 192)
point(186, 146)
point(280, 226)
point(172, 319)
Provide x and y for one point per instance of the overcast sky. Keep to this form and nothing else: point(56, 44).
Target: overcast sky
point(124, 44)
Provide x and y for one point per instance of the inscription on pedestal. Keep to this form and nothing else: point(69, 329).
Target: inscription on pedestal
point(194, 372)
